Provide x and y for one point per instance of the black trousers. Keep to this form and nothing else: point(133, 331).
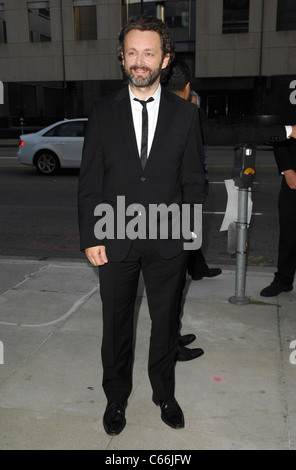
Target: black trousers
point(164, 281)
point(287, 239)
point(197, 265)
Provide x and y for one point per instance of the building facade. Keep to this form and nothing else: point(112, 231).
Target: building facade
point(245, 54)
point(58, 56)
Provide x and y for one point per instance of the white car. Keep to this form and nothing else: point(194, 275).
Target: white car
point(54, 147)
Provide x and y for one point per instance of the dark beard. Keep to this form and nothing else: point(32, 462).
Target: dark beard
point(141, 82)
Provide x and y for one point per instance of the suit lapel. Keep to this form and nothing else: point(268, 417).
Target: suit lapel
point(165, 113)
point(125, 125)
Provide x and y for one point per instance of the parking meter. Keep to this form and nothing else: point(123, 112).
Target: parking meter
point(243, 175)
point(244, 172)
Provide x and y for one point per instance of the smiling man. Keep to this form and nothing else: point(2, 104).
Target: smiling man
point(141, 143)
point(143, 67)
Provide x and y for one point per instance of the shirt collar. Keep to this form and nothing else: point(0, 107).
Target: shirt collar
point(156, 95)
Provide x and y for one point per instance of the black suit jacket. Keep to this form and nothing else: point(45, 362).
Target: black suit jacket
point(111, 166)
point(285, 153)
point(215, 133)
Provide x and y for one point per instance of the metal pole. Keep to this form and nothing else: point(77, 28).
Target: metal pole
point(63, 59)
point(261, 39)
point(261, 82)
point(241, 250)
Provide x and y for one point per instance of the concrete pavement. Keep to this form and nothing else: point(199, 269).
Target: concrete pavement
point(239, 395)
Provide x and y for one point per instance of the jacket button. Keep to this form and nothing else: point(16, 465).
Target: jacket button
point(143, 178)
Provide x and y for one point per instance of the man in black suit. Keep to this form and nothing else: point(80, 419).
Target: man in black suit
point(285, 155)
point(115, 164)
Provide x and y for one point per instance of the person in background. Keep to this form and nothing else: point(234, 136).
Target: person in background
point(214, 133)
point(178, 82)
point(197, 265)
point(285, 156)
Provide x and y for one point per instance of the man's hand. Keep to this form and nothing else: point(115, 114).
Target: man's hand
point(293, 134)
point(97, 255)
point(290, 176)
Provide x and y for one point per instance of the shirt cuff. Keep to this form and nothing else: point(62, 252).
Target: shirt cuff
point(288, 131)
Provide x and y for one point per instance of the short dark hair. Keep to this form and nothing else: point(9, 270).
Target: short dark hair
point(149, 23)
point(178, 76)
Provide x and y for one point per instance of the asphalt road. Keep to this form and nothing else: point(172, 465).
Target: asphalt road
point(38, 214)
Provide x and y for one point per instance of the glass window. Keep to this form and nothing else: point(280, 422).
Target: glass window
point(3, 34)
point(67, 129)
point(85, 20)
point(135, 7)
point(286, 15)
point(22, 99)
point(53, 101)
point(178, 15)
point(39, 21)
point(236, 16)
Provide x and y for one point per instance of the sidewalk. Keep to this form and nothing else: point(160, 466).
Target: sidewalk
point(239, 395)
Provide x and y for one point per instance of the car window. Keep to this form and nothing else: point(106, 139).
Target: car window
point(67, 129)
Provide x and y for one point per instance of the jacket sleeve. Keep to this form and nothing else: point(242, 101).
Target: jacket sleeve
point(231, 134)
point(90, 182)
point(193, 174)
point(283, 157)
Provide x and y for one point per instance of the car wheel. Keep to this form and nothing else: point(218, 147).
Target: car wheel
point(47, 163)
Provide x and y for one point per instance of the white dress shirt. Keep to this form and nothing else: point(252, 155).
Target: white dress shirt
point(288, 131)
point(152, 109)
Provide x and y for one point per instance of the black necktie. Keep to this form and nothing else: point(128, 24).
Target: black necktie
point(144, 142)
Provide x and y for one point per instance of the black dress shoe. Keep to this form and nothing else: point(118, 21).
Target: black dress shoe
point(186, 354)
point(171, 413)
point(114, 418)
point(186, 339)
point(275, 289)
point(211, 272)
